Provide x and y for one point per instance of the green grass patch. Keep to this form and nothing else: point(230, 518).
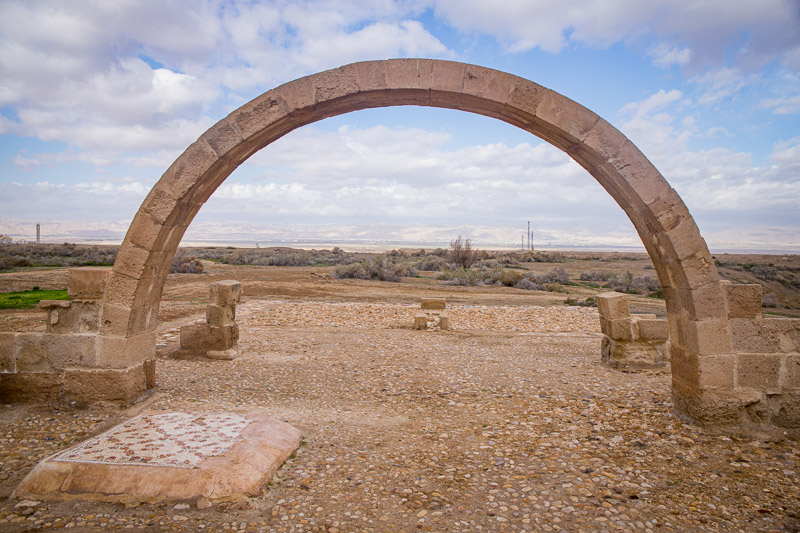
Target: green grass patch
point(29, 299)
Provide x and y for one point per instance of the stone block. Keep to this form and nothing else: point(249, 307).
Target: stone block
point(621, 354)
point(771, 335)
point(744, 301)
point(620, 329)
point(652, 329)
point(31, 355)
point(224, 138)
point(786, 411)
point(75, 349)
point(444, 321)
point(447, 83)
point(708, 337)
point(716, 371)
point(421, 321)
point(114, 319)
point(8, 351)
point(76, 316)
point(104, 384)
point(791, 373)
point(202, 338)
point(567, 120)
point(433, 304)
point(225, 293)
point(149, 368)
point(612, 305)
point(30, 387)
point(125, 352)
point(219, 316)
point(87, 283)
point(131, 260)
point(759, 371)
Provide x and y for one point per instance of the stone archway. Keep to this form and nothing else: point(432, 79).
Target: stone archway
point(702, 359)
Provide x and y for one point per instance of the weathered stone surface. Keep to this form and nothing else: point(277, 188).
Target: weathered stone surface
point(744, 301)
point(125, 352)
point(759, 371)
point(249, 462)
point(652, 329)
point(717, 371)
point(86, 283)
point(30, 387)
point(8, 351)
point(76, 316)
point(105, 384)
point(444, 321)
point(421, 321)
point(75, 349)
point(201, 338)
point(31, 355)
point(433, 303)
point(630, 355)
point(772, 335)
point(612, 305)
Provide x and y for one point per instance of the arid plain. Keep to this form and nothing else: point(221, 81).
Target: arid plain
point(509, 422)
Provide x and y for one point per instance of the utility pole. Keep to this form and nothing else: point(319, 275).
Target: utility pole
point(38, 233)
point(529, 235)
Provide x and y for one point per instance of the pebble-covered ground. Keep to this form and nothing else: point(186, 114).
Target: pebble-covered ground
point(507, 423)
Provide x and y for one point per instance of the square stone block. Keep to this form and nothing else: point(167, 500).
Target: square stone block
point(31, 355)
point(656, 329)
point(716, 371)
point(744, 301)
point(87, 283)
point(620, 329)
point(421, 321)
point(433, 303)
point(708, 337)
point(202, 338)
point(612, 305)
point(225, 293)
point(759, 371)
point(75, 316)
point(76, 349)
point(124, 352)
point(104, 384)
point(791, 374)
point(220, 316)
point(444, 321)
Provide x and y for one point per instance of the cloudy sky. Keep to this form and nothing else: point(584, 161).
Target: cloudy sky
point(98, 98)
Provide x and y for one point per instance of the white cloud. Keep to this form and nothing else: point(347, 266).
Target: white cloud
point(709, 29)
point(782, 106)
point(716, 180)
point(664, 55)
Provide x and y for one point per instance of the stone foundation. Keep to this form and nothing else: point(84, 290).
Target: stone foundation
point(219, 336)
point(755, 389)
point(64, 362)
point(434, 315)
point(631, 341)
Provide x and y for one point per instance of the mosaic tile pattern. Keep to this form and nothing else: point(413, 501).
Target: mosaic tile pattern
point(171, 439)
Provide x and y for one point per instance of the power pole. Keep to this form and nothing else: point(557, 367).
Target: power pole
point(38, 233)
point(529, 235)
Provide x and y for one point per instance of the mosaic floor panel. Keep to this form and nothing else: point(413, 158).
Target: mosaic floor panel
point(171, 439)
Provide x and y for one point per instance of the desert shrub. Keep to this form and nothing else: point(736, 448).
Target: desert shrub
point(380, 268)
point(764, 272)
point(431, 263)
point(556, 275)
point(549, 281)
point(461, 252)
point(588, 302)
point(530, 285)
point(630, 284)
point(185, 264)
point(461, 276)
point(595, 276)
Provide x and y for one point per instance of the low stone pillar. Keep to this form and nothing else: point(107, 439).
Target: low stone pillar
point(219, 336)
point(434, 316)
point(630, 341)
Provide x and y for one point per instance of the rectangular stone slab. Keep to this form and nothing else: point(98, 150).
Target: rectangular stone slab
point(168, 456)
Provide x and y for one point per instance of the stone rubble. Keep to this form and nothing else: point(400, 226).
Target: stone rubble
point(507, 423)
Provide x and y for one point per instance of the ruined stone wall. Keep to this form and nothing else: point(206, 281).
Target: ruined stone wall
point(631, 341)
point(61, 363)
point(218, 337)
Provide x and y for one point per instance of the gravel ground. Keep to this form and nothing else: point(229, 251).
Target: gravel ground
point(507, 423)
